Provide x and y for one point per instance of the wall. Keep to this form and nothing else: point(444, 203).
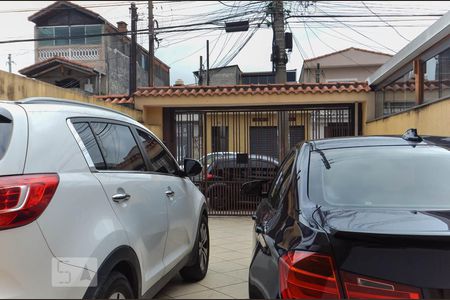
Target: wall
point(429, 119)
point(15, 87)
point(359, 73)
point(223, 76)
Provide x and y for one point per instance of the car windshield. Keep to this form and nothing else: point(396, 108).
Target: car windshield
point(394, 177)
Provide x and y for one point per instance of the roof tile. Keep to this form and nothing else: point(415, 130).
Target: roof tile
point(116, 99)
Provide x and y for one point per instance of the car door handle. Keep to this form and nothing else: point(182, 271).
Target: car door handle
point(170, 193)
point(119, 198)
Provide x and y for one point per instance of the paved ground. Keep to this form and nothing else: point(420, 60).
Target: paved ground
point(231, 246)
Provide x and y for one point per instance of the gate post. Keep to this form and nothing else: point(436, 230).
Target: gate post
point(283, 134)
point(169, 130)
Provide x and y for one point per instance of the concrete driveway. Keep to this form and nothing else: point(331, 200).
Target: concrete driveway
point(231, 248)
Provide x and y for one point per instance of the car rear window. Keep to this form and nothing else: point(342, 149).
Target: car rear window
point(6, 127)
point(395, 176)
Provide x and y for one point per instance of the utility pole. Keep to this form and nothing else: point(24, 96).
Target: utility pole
point(279, 57)
point(318, 73)
point(279, 60)
point(207, 62)
point(9, 63)
point(151, 45)
point(200, 72)
point(133, 49)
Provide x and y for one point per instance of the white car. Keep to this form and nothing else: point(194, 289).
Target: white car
point(93, 205)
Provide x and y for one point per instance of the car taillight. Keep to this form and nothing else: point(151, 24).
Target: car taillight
point(312, 275)
point(307, 275)
point(24, 198)
point(210, 176)
point(361, 287)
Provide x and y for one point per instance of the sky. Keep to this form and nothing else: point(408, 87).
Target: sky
point(313, 36)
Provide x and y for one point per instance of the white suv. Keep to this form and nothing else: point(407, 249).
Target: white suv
point(92, 205)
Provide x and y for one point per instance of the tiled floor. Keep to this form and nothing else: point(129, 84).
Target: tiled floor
point(231, 247)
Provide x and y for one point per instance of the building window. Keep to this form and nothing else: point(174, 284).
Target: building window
point(70, 35)
point(437, 76)
point(62, 32)
point(46, 32)
point(398, 95)
point(92, 30)
point(77, 31)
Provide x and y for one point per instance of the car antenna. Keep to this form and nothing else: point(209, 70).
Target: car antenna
point(412, 136)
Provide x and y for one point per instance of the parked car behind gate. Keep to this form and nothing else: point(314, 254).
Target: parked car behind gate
point(226, 174)
point(93, 205)
point(360, 217)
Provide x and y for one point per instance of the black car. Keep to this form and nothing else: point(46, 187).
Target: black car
point(226, 174)
point(365, 217)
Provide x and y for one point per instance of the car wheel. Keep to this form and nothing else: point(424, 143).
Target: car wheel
point(198, 270)
point(116, 286)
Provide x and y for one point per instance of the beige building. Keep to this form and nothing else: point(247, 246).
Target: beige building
point(77, 48)
point(351, 64)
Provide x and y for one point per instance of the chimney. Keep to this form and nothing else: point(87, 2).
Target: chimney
point(179, 82)
point(122, 26)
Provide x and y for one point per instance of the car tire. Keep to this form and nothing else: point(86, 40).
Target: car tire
point(116, 286)
point(198, 270)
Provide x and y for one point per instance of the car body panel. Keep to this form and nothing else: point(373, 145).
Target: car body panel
point(26, 269)
point(183, 215)
point(143, 216)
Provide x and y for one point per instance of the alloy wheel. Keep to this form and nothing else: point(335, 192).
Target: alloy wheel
point(203, 247)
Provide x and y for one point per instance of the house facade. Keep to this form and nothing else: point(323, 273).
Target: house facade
point(351, 64)
point(232, 75)
point(71, 52)
point(412, 89)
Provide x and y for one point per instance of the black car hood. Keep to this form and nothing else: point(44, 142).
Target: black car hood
point(383, 221)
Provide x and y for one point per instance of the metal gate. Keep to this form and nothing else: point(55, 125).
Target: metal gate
point(239, 145)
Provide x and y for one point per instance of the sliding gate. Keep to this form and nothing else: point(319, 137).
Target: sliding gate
point(240, 145)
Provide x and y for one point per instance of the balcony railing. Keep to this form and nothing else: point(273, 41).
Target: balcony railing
point(79, 53)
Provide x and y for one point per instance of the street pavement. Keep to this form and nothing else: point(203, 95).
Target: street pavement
point(231, 248)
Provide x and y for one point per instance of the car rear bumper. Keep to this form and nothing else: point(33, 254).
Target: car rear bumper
point(26, 266)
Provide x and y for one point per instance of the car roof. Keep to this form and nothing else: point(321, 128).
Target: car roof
point(72, 107)
point(371, 141)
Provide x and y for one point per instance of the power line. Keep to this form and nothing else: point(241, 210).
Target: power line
point(344, 37)
point(326, 15)
point(369, 38)
point(386, 22)
point(310, 46)
point(105, 4)
point(335, 50)
point(299, 47)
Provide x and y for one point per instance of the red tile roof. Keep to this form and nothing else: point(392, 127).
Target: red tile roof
point(253, 89)
point(55, 60)
point(116, 99)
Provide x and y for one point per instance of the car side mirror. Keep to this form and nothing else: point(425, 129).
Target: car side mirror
point(253, 188)
point(192, 167)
